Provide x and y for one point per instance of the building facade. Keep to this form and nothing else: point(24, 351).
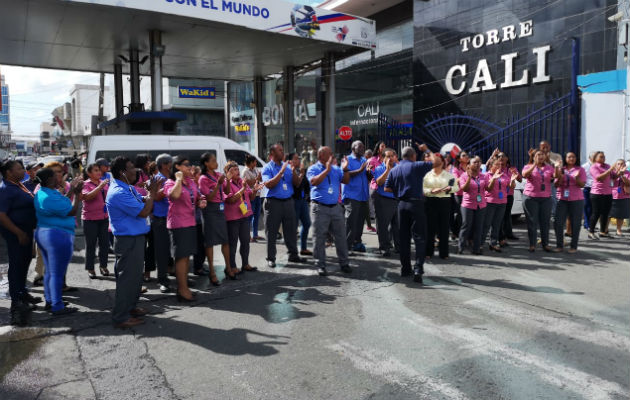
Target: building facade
point(5, 114)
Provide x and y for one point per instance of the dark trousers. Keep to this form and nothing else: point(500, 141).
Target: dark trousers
point(129, 252)
point(280, 212)
point(588, 208)
point(200, 256)
point(96, 231)
point(19, 259)
point(506, 226)
point(538, 213)
point(472, 227)
point(149, 253)
point(601, 208)
point(302, 215)
point(412, 224)
point(387, 227)
point(355, 217)
point(438, 211)
point(256, 205)
point(238, 231)
point(572, 209)
point(492, 222)
point(456, 214)
point(161, 248)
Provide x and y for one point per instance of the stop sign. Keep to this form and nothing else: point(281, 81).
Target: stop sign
point(345, 133)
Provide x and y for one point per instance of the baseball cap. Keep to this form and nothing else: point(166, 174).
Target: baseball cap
point(102, 162)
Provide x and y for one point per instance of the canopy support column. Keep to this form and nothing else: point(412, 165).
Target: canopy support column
point(328, 72)
point(134, 80)
point(289, 109)
point(118, 88)
point(157, 51)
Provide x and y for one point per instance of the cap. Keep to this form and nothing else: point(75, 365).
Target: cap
point(30, 166)
point(102, 162)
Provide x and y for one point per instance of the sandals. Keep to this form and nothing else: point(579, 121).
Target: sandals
point(104, 271)
point(249, 268)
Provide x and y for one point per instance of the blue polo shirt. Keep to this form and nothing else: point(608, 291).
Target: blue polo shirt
point(327, 192)
point(160, 208)
point(52, 210)
point(378, 172)
point(358, 188)
point(18, 205)
point(123, 206)
point(284, 188)
point(406, 179)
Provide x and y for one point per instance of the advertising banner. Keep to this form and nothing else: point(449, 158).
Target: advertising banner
point(194, 92)
point(266, 15)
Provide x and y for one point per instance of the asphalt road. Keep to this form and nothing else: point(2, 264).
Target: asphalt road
point(500, 326)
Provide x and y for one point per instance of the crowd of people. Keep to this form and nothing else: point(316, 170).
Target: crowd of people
point(158, 214)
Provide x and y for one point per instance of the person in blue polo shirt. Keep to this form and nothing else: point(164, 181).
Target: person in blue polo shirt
point(355, 195)
point(327, 214)
point(128, 216)
point(279, 179)
point(405, 182)
point(386, 206)
point(161, 238)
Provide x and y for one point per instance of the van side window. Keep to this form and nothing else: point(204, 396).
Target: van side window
point(193, 155)
point(238, 156)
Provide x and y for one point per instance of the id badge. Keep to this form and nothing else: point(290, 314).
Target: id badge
point(221, 206)
point(285, 187)
point(500, 195)
point(612, 183)
point(619, 189)
point(478, 198)
point(565, 194)
point(104, 209)
point(542, 187)
point(330, 190)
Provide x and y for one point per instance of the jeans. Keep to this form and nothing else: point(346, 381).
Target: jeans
point(538, 213)
point(601, 208)
point(19, 259)
point(574, 210)
point(255, 217)
point(588, 209)
point(96, 231)
point(493, 219)
point(56, 246)
point(302, 214)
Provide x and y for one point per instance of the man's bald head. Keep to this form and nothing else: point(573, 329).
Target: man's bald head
point(358, 148)
point(323, 154)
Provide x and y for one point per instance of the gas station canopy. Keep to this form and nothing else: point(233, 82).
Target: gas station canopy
point(219, 39)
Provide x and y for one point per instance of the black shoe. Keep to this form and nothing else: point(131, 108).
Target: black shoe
point(19, 314)
point(64, 311)
point(48, 305)
point(406, 272)
point(182, 299)
point(346, 269)
point(386, 253)
point(29, 298)
point(271, 263)
point(322, 271)
point(165, 289)
point(418, 278)
point(297, 259)
point(230, 277)
point(477, 252)
point(38, 281)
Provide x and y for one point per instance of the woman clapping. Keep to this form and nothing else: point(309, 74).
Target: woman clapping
point(473, 185)
point(537, 197)
point(570, 180)
point(499, 185)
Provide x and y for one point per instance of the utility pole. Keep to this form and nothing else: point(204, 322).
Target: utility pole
point(101, 101)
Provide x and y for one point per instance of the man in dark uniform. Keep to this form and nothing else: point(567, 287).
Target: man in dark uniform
point(405, 182)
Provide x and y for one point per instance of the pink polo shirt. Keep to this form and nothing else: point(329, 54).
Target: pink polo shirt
point(499, 192)
point(567, 184)
point(181, 212)
point(374, 162)
point(474, 198)
point(139, 185)
point(538, 178)
point(457, 173)
point(207, 183)
point(618, 192)
point(233, 210)
point(94, 210)
point(603, 187)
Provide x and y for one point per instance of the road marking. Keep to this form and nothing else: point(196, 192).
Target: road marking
point(589, 386)
point(394, 371)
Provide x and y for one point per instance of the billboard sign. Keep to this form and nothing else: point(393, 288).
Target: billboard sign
point(194, 92)
point(266, 15)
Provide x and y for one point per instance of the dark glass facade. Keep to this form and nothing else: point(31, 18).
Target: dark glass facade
point(465, 33)
point(5, 120)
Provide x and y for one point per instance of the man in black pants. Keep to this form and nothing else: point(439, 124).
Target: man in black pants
point(405, 182)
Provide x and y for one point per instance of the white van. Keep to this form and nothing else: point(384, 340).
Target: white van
point(192, 147)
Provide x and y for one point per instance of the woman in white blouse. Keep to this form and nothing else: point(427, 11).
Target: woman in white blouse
point(438, 186)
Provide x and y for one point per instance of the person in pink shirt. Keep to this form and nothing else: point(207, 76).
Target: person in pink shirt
point(499, 184)
point(213, 185)
point(569, 183)
point(95, 219)
point(620, 209)
point(537, 197)
point(460, 165)
point(238, 209)
point(601, 194)
point(473, 183)
point(183, 199)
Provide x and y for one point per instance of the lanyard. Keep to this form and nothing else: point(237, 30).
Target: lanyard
point(191, 194)
point(478, 184)
point(217, 182)
point(134, 193)
point(542, 175)
point(23, 188)
point(567, 174)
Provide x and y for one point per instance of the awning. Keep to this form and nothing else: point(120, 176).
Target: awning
point(203, 38)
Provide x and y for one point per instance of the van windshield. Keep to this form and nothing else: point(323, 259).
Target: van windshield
point(193, 155)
